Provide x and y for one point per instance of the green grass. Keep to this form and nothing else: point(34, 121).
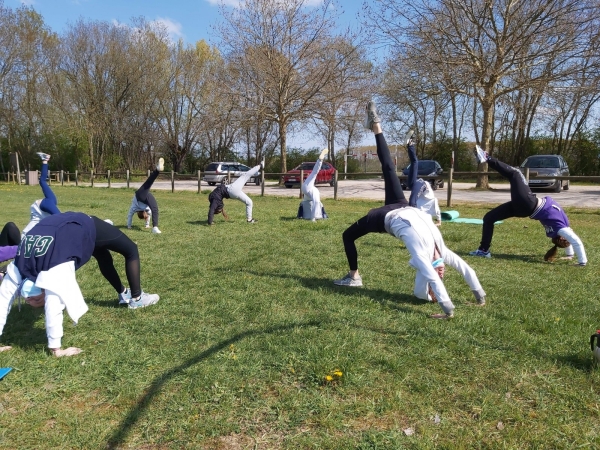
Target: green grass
point(236, 352)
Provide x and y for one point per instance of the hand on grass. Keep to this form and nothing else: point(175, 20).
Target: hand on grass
point(442, 316)
point(36, 302)
point(6, 348)
point(71, 351)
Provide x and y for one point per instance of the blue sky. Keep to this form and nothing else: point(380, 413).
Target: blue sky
point(189, 20)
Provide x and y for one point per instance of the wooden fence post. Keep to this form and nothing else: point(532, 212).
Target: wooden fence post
point(62, 177)
point(108, 176)
point(449, 187)
point(527, 174)
point(92, 177)
point(335, 184)
point(127, 178)
point(76, 179)
point(199, 182)
point(172, 181)
point(262, 183)
point(300, 196)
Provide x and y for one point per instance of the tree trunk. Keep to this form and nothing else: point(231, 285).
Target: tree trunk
point(283, 144)
point(486, 139)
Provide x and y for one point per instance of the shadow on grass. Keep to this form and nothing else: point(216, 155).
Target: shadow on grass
point(380, 296)
point(197, 222)
point(576, 362)
point(524, 258)
point(19, 329)
point(119, 436)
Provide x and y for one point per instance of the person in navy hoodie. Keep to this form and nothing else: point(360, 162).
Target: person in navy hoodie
point(524, 203)
point(44, 270)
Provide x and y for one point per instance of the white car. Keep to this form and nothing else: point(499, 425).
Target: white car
point(216, 172)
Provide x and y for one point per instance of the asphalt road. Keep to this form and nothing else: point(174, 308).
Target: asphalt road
point(580, 196)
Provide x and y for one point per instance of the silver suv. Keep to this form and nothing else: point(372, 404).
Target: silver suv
point(216, 172)
point(551, 165)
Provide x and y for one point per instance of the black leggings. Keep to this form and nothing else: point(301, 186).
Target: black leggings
point(110, 238)
point(522, 201)
point(10, 235)
point(143, 195)
point(392, 186)
point(374, 221)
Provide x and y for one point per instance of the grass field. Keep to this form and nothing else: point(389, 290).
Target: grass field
point(236, 353)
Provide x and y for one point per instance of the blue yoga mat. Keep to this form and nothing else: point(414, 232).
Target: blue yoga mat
point(454, 217)
point(4, 371)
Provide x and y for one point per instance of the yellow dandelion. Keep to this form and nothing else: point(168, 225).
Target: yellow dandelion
point(338, 373)
point(328, 378)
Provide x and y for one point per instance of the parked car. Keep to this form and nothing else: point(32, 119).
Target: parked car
point(547, 165)
point(216, 172)
point(325, 175)
point(426, 168)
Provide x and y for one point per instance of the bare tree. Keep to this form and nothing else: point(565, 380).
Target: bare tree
point(487, 43)
point(280, 48)
point(349, 86)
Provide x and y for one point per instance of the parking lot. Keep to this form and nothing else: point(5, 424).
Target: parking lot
point(577, 195)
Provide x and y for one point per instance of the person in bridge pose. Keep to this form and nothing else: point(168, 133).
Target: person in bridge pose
point(143, 202)
point(233, 190)
point(524, 203)
point(311, 207)
point(43, 271)
point(422, 238)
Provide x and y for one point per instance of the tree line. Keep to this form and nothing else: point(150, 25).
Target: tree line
point(516, 77)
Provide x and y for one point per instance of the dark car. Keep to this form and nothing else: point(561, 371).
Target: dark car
point(325, 175)
point(551, 165)
point(426, 168)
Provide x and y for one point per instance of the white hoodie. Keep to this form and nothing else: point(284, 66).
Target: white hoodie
point(426, 200)
point(36, 215)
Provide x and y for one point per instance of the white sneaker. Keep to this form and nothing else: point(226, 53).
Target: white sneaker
point(125, 297)
point(408, 138)
point(155, 230)
point(161, 165)
point(143, 300)
point(481, 154)
point(43, 156)
point(372, 116)
point(324, 154)
point(348, 280)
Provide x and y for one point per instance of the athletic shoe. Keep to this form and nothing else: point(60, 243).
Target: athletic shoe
point(349, 281)
point(481, 301)
point(155, 230)
point(125, 297)
point(324, 154)
point(252, 221)
point(372, 117)
point(143, 300)
point(408, 138)
point(43, 156)
point(481, 253)
point(481, 155)
point(147, 225)
point(161, 165)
